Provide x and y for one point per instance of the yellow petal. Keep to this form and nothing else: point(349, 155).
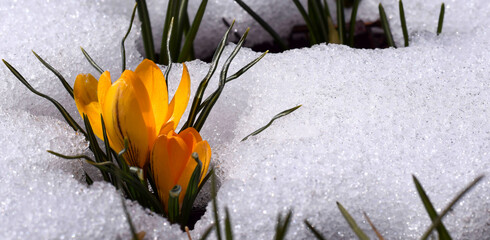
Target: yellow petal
point(123, 118)
point(204, 151)
point(181, 98)
point(144, 102)
point(152, 77)
point(85, 94)
point(168, 127)
point(168, 159)
point(104, 85)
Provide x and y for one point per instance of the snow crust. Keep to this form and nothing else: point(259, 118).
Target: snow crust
point(370, 119)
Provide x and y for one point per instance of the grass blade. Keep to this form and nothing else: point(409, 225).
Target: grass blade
point(437, 221)
point(167, 52)
point(441, 229)
point(380, 237)
point(316, 14)
point(282, 226)
point(123, 49)
point(386, 26)
point(192, 191)
point(228, 231)
point(352, 27)
point(279, 115)
point(130, 221)
point(403, 22)
point(146, 29)
point(224, 71)
point(315, 232)
point(191, 35)
point(91, 61)
point(441, 19)
point(173, 203)
point(206, 233)
point(60, 108)
point(164, 45)
point(341, 21)
point(215, 207)
point(352, 223)
point(67, 86)
point(263, 24)
point(233, 77)
point(204, 83)
point(178, 32)
point(302, 10)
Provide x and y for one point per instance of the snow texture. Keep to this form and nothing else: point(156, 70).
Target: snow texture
point(369, 119)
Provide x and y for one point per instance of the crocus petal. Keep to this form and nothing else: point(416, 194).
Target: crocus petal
point(85, 94)
point(168, 159)
point(124, 119)
point(144, 102)
point(104, 85)
point(168, 127)
point(152, 77)
point(204, 152)
point(180, 100)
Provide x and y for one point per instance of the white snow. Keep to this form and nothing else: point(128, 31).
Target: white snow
point(370, 119)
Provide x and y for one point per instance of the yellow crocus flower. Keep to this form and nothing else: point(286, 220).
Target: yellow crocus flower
point(172, 163)
point(134, 107)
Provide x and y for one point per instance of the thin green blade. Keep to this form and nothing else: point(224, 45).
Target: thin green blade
point(441, 229)
point(279, 115)
point(352, 223)
point(123, 49)
point(191, 35)
point(315, 232)
point(386, 26)
point(146, 29)
point(403, 22)
point(67, 86)
point(352, 27)
point(91, 61)
point(263, 24)
point(441, 19)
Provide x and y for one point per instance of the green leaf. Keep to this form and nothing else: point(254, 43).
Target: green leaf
point(192, 191)
point(94, 147)
point(441, 19)
point(130, 221)
point(165, 58)
point(352, 223)
point(386, 26)
point(305, 16)
point(282, 226)
point(88, 179)
point(441, 229)
point(146, 29)
point(315, 232)
point(206, 233)
point(181, 20)
point(380, 237)
point(228, 231)
point(60, 77)
point(224, 71)
point(191, 35)
point(352, 27)
point(173, 203)
point(316, 15)
point(403, 22)
point(341, 21)
point(448, 208)
point(168, 53)
point(263, 24)
point(91, 61)
point(215, 207)
point(204, 83)
point(60, 108)
point(123, 49)
point(279, 115)
point(233, 77)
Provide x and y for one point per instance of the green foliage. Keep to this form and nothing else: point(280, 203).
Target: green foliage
point(279, 115)
point(441, 19)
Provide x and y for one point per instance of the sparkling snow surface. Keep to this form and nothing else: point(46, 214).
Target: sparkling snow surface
point(370, 119)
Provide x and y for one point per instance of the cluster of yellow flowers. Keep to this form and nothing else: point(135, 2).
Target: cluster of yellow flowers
point(136, 107)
